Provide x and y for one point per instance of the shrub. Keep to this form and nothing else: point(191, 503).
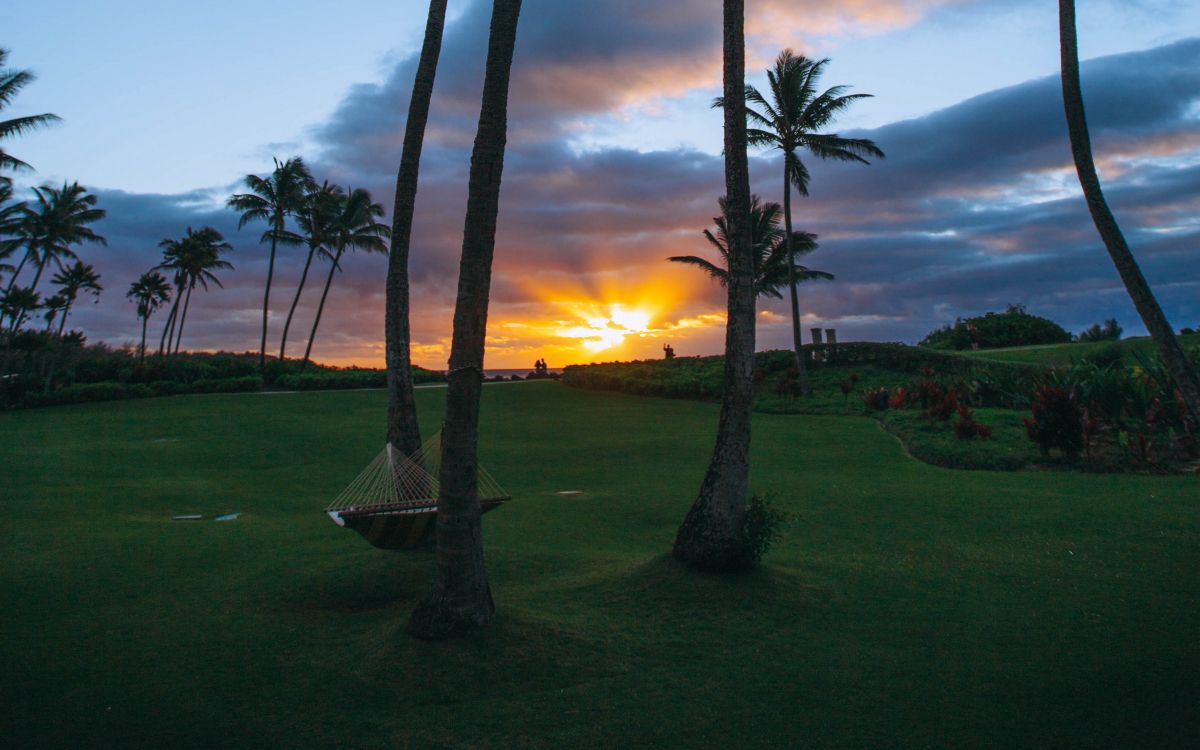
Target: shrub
point(967, 428)
point(1105, 356)
point(1109, 331)
point(944, 409)
point(1056, 421)
point(1013, 327)
point(761, 527)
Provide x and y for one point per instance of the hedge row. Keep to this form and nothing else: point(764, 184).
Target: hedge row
point(1001, 383)
point(82, 393)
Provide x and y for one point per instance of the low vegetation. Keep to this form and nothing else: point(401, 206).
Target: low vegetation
point(43, 370)
point(1035, 592)
point(1097, 413)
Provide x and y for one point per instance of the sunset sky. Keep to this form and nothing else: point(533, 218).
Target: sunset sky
point(614, 161)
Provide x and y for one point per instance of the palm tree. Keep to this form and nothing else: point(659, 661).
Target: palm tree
point(18, 302)
point(53, 305)
point(11, 83)
point(1169, 350)
point(791, 120)
point(149, 292)
point(193, 259)
point(403, 432)
point(272, 199)
point(461, 598)
point(711, 534)
point(58, 220)
point(74, 279)
point(10, 222)
point(315, 218)
point(770, 250)
point(353, 228)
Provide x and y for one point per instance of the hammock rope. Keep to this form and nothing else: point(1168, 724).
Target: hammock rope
point(394, 500)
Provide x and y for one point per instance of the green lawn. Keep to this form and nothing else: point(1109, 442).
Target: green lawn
point(907, 606)
point(1056, 355)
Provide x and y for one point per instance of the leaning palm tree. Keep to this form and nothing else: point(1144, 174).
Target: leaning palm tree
point(711, 534)
point(315, 218)
point(193, 260)
point(403, 432)
point(791, 119)
point(11, 83)
point(770, 255)
point(57, 221)
point(1169, 350)
point(149, 292)
point(72, 280)
point(461, 598)
point(17, 303)
point(353, 228)
point(272, 199)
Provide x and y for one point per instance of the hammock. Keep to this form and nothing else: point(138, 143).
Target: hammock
point(393, 503)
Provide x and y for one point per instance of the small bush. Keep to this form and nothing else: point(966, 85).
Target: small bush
point(1056, 422)
point(1109, 331)
point(761, 527)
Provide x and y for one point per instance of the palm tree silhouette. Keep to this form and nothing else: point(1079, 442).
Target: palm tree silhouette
point(53, 305)
point(403, 432)
point(57, 221)
point(149, 292)
point(315, 217)
point(193, 260)
point(353, 227)
point(10, 222)
point(791, 119)
point(461, 598)
point(17, 303)
point(1169, 350)
point(11, 83)
point(72, 280)
point(770, 250)
point(710, 536)
point(272, 199)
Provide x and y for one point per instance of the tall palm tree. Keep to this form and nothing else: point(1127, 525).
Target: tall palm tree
point(353, 228)
point(56, 222)
point(791, 119)
point(17, 303)
point(461, 598)
point(711, 534)
point(403, 432)
point(11, 83)
point(193, 259)
point(315, 218)
point(149, 292)
point(1169, 350)
point(72, 280)
point(272, 199)
point(770, 250)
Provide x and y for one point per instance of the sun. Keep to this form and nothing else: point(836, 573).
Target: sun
point(610, 328)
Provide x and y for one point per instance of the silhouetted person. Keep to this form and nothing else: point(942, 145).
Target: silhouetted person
point(668, 352)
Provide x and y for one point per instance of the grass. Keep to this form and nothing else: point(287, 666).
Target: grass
point(1062, 355)
point(907, 605)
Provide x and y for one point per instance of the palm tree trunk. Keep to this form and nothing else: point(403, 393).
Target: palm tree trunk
point(37, 277)
point(142, 348)
point(12, 282)
point(403, 432)
point(62, 324)
point(295, 301)
point(711, 534)
point(797, 334)
point(183, 318)
point(1169, 350)
point(321, 307)
point(461, 599)
point(169, 325)
point(262, 347)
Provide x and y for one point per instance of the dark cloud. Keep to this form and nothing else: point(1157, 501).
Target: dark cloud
point(976, 205)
